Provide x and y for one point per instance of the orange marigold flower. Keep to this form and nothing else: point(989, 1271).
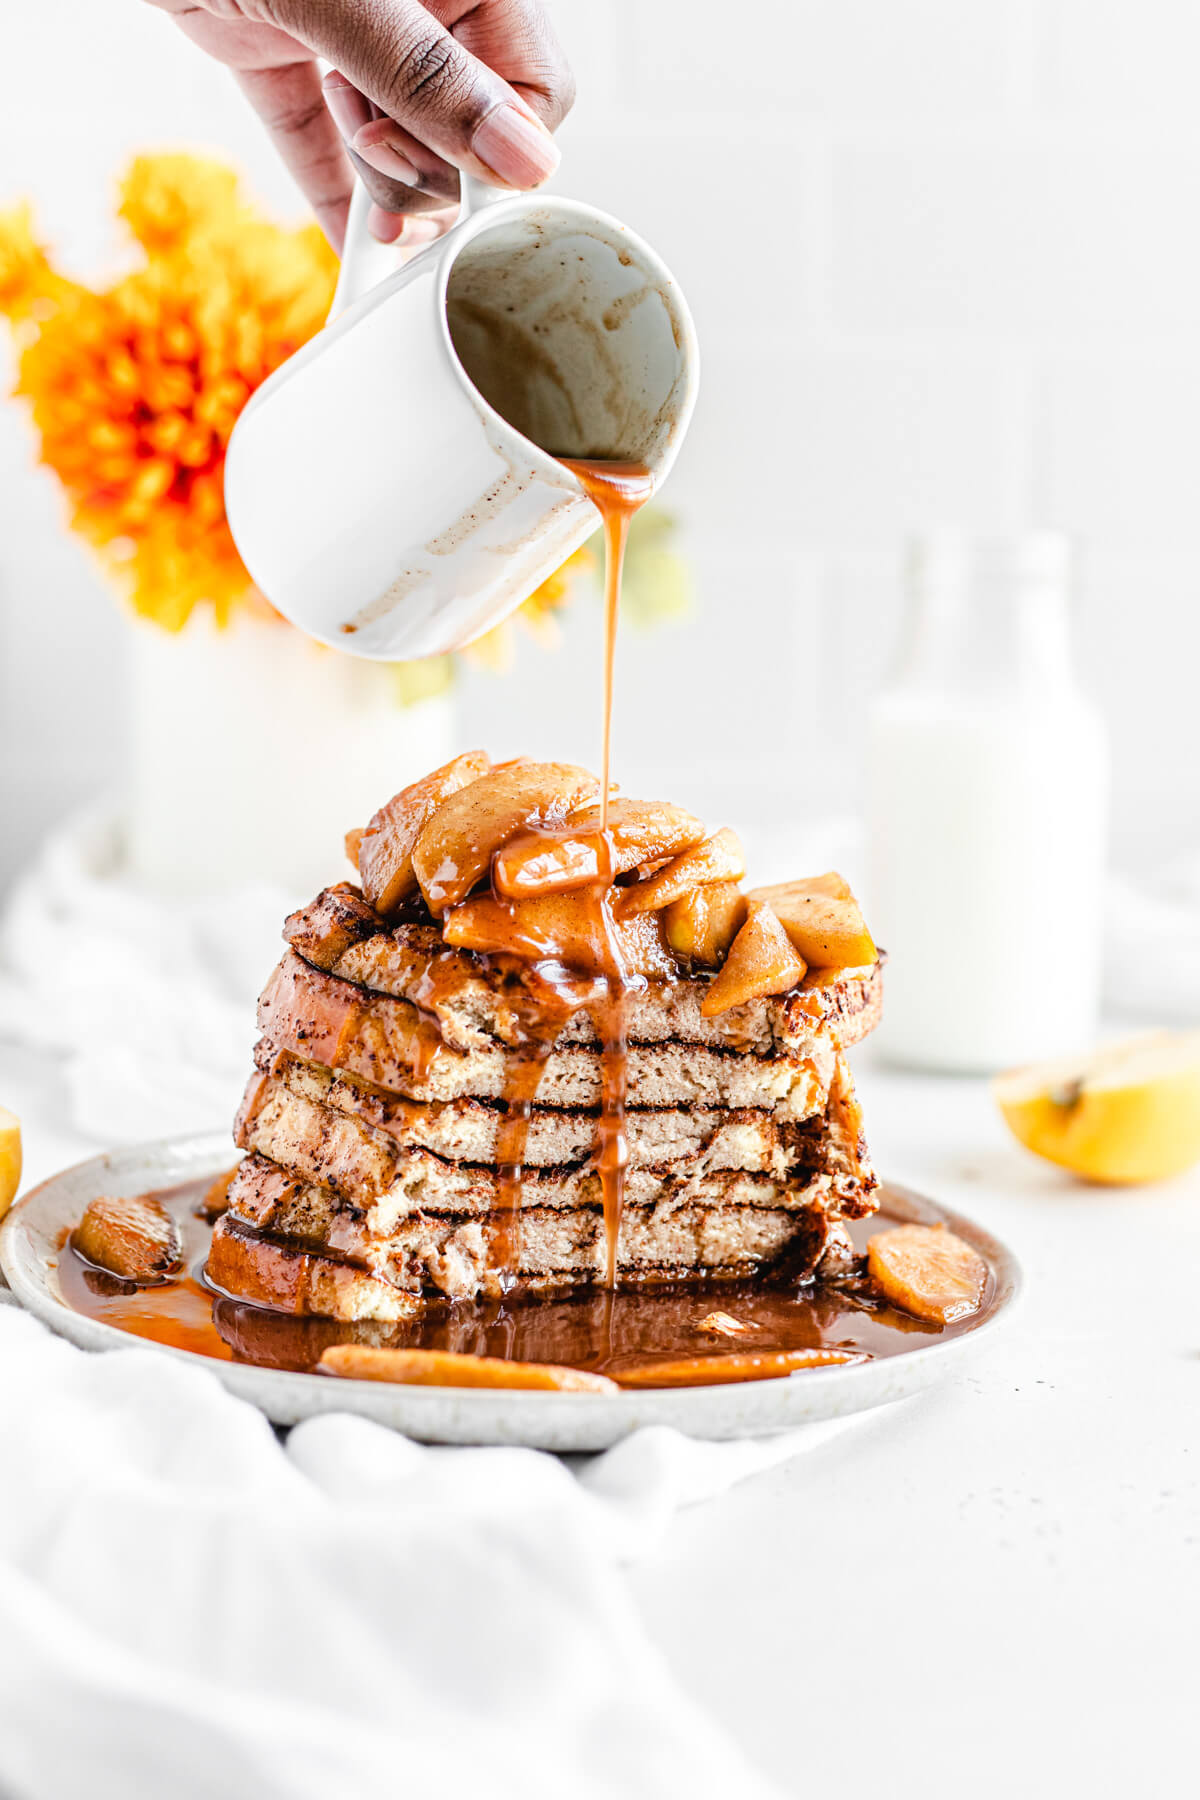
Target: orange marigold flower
point(134, 388)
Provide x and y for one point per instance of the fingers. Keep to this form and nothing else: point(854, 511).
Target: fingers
point(515, 37)
point(409, 233)
point(440, 95)
point(291, 105)
point(416, 180)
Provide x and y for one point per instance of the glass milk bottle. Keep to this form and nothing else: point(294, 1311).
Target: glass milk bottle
point(987, 805)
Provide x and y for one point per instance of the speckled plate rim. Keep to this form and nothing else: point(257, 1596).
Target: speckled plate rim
point(566, 1422)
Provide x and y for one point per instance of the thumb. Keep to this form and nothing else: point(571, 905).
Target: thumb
point(433, 89)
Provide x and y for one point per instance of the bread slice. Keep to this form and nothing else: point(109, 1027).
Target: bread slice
point(356, 1131)
point(453, 1255)
point(326, 1019)
point(477, 1004)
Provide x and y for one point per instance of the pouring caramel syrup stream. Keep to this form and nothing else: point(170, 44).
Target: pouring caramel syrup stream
point(617, 490)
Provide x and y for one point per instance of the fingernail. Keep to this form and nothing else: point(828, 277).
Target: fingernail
point(516, 149)
point(406, 232)
point(382, 156)
point(349, 108)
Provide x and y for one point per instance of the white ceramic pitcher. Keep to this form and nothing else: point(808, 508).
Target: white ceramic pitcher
point(393, 488)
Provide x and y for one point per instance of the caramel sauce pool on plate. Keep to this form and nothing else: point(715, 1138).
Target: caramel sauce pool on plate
point(598, 1330)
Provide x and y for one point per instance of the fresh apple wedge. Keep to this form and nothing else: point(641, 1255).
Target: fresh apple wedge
point(456, 846)
point(761, 961)
point(827, 929)
point(384, 850)
point(639, 831)
point(1128, 1113)
point(10, 1158)
point(718, 858)
point(703, 924)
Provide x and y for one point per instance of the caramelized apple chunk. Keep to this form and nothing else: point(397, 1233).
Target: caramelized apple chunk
point(457, 843)
point(565, 928)
point(761, 961)
point(135, 1238)
point(701, 926)
point(926, 1271)
point(831, 884)
point(719, 858)
point(639, 831)
point(216, 1196)
point(825, 926)
point(353, 842)
point(384, 853)
point(723, 1324)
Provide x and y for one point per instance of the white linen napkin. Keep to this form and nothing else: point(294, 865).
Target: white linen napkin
point(150, 1002)
point(190, 1607)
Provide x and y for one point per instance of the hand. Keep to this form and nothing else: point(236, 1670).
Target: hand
point(417, 92)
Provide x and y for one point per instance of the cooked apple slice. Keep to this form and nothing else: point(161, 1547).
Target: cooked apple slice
point(216, 1196)
point(831, 884)
point(567, 928)
point(448, 1368)
point(384, 850)
point(135, 1238)
point(457, 844)
point(736, 1365)
point(926, 1271)
point(701, 926)
point(718, 858)
point(761, 961)
point(353, 842)
point(574, 855)
point(723, 1324)
point(826, 928)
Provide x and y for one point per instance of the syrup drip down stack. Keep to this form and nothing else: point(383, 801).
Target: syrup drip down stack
point(530, 1053)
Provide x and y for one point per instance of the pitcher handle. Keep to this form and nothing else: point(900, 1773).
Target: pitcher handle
point(366, 262)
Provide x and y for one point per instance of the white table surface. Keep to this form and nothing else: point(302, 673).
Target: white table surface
point(996, 1586)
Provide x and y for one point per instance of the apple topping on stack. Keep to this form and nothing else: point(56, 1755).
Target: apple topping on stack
point(547, 1040)
point(531, 835)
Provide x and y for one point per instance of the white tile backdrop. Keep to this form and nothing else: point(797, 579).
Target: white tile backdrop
point(944, 257)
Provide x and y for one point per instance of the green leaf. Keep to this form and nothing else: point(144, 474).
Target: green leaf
point(658, 581)
point(416, 681)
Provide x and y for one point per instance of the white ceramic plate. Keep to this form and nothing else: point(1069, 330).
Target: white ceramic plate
point(29, 1252)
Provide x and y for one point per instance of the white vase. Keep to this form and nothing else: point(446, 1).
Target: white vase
point(255, 750)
